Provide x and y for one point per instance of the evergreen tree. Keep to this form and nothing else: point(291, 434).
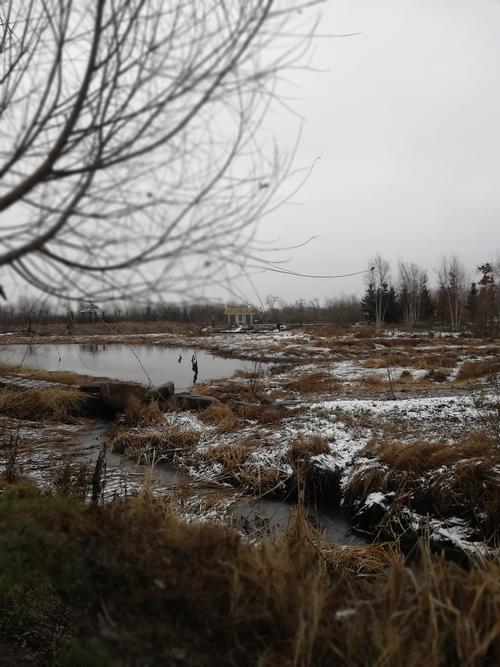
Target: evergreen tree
point(393, 310)
point(471, 303)
point(427, 305)
point(368, 308)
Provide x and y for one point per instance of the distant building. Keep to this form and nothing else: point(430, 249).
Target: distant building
point(239, 315)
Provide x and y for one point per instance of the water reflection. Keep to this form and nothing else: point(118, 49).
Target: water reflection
point(149, 364)
point(92, 348)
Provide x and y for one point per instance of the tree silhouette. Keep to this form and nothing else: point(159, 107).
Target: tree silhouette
point(131, 154)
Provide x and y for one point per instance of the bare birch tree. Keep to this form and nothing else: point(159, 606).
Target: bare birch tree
point(412, 281)
point(453, 281)
point(380, 280)
point(131, 159)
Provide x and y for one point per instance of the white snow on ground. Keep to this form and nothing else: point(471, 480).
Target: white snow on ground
point(188, 421)
point(375, 498)
point(418, 410)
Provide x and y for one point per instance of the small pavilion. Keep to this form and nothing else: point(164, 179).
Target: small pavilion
point(239, 315)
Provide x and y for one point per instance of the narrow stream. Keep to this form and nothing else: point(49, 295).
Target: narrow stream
point(271, 514)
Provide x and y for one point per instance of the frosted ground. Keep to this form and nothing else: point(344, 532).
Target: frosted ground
point(353, 393)
point(324, 415)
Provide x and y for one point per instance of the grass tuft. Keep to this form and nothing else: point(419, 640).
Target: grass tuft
point(221, 416)
point(37, 404)
point(138, 413)
point(470, 370)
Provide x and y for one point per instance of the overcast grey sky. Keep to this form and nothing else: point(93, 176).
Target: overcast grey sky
point(406, 121)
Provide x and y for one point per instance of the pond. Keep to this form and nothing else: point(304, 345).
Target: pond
point(139, 363)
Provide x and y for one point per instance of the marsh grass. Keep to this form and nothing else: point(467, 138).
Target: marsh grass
point(141, 442)
point(237, 466)
point(138, 413)
point(432, 478)
point(314, 382)
point(60, 377)
point(10, 449)
point(130, 583)
point(303, 448)
point(263, 414)
point(471, 370)
point(236, 388)
point(221, 416)
point(58, 404)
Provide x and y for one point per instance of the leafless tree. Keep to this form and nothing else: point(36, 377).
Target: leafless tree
point(131, 153)
point(412, 282)
point(343, 309)
point(379, 278)
point(452, 281)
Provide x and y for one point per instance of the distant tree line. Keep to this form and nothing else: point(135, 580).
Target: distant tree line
point(404, 297)
point(455, 301)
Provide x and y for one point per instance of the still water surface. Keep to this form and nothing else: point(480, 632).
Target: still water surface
point(139, 363)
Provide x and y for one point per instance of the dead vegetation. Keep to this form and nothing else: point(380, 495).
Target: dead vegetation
point(303, 448)
point(236, 388)
point(307, 476)
point(221, 416)
point(77, 577)
point(236, 465)
point(153, 442)
point(470, 370)
point(60, 377)
point(263, 414)
point(313, 382)
point(57, 404)
point(433, 479)
point(97, 328)
point(138, 413)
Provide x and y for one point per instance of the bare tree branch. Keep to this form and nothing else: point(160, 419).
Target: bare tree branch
point(132, 156)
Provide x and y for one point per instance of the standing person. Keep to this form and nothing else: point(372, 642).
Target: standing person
point(194, 366)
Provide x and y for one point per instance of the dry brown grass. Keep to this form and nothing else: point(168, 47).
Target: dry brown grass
point(363, 418)
point(420, 457)
point(199, 592)
point(239, 470)
point(426, 609)
point(303, 448)
point(138, 413)
point(263, 414)
point(165, 442)
point(126, 328)
point(436, 479)
point(36, 404)
point(470, 370)
point(221, 416)
point(237, 388)
point(308, 477)
point(366, 331)
point(327, 330)
point(444, 359)
point(248, 375)
point(346, 561)
point(435, 375)
point(393, 359)
point(370, 380)
point(61, 377)
point(230, 454)
point(314, 382)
